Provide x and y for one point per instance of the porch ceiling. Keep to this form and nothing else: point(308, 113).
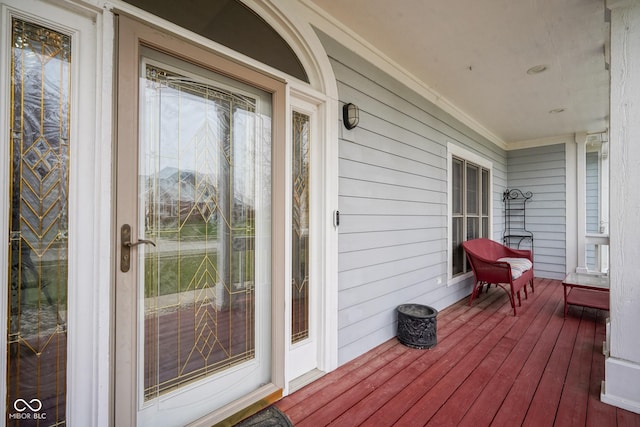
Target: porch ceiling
point(476, 55)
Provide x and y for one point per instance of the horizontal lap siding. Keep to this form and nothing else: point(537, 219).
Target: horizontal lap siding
point(542, 171)
point(393, 202)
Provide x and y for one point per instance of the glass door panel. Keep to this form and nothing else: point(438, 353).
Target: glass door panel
point(200, 246)
point(300, 228)
point(199, 197)
point(37, 300)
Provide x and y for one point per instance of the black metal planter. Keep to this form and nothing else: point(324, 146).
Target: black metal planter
point(417, 326)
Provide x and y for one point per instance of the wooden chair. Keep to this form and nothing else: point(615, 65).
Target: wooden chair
point(494, 263)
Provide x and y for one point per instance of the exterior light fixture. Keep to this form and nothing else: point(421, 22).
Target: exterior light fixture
point(350, 115)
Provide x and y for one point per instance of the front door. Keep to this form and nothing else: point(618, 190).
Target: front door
point(194, 222)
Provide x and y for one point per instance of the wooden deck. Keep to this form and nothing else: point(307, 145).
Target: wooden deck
point(488, 368)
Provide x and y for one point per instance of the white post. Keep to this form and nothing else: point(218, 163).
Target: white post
point(604, 203)
point(571, 212)
point(622, 367)
point(581, 199)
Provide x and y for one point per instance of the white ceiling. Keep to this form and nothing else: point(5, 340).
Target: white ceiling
point(476, 53)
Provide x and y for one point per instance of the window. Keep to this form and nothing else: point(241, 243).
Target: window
point(469, 189)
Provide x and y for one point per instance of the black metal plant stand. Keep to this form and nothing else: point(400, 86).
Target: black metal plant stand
point(515, 218)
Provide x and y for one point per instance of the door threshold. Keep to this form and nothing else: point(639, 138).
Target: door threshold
point(304, 379)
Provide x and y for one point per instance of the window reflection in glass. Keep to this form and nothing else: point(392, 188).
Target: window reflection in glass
point(38, 254)
point(204, 176)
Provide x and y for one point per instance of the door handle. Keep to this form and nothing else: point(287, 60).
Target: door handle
point(126, 245)
point(139, 242)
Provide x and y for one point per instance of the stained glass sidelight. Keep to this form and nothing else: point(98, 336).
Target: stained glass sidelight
point(199, 187)
point(300, 229)
point(39, 187)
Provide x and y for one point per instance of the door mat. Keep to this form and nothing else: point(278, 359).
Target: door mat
point(267, 418)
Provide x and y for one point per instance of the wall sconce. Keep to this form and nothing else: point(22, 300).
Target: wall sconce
point(350, 115)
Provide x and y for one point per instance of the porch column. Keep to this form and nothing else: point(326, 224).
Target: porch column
point(622, 367)
point(581, 196)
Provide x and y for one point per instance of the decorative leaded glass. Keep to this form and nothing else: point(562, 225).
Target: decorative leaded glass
point(300, 229)
point(199, 187)
point(37, 300)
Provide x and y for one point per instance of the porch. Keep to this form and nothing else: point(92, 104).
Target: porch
point(488, 368)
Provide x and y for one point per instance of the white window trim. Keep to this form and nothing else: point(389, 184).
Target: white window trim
point(463, 153)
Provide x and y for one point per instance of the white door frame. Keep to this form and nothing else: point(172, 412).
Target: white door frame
point(89, 263)
point(303, 360)
point(132, 35)
point(290, 20)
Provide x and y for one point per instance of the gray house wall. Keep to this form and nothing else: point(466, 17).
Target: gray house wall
point(393, 202)
point(542, 171)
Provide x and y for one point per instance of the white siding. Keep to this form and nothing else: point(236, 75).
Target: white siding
point(393, 202)
point(542, 171)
